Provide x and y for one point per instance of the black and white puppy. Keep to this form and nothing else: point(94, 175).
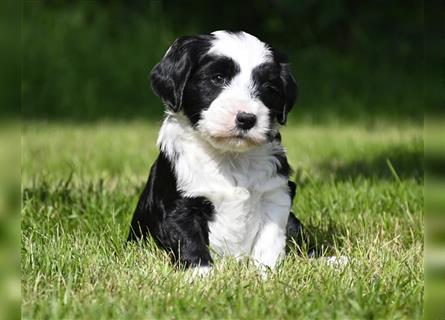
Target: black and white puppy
point(221, 181)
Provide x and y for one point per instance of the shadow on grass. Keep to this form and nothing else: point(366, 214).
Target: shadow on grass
point(315, 238)
point(89, 205)
point(397, 163)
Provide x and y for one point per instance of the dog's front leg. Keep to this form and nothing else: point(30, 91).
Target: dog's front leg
point(186, 234)
point(269, 247)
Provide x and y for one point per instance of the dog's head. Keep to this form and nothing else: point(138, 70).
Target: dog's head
point(232, 87)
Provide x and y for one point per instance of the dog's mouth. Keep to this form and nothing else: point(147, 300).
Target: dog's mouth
point(233, 139)
point(236, 138)
point(238, 141)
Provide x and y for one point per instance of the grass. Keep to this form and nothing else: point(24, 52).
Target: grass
point(359, 193)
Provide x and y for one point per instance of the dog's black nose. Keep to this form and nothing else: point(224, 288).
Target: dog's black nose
point(245, 120)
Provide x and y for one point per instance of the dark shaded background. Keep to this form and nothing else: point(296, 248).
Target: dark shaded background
point(90, 60)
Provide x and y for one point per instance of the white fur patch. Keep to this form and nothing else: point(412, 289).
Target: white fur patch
point(337, 262)
point(200, 271)
point(247, 50)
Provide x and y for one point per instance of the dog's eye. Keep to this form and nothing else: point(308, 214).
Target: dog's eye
point(219, 79)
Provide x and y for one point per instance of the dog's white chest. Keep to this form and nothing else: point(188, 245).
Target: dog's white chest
point(246, 194)
point(237, 220)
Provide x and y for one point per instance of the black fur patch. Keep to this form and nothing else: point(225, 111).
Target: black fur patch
point(292, 189)
point(269, 87)
point(289, 88)
point(283, 167)
point(202, 88)
point(294, 232)
point(169, 77)
point(177, 224)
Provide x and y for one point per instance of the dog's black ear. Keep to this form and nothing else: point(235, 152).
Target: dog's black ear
point(169, 77)
point(289, 84)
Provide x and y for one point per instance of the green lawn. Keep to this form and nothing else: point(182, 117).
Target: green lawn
point(359, 193)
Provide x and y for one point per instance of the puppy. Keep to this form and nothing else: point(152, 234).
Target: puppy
point(220, 184)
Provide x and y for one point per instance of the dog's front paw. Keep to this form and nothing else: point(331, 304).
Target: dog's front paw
point(264, 271)
point(200, 271)
point(337, 262)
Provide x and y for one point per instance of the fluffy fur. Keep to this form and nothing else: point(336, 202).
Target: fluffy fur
point(221, 181)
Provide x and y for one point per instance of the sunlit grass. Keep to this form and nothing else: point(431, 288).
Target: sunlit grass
point(359, 194)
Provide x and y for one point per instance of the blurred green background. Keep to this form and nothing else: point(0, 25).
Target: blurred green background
point(355, 61)
point(90, 60)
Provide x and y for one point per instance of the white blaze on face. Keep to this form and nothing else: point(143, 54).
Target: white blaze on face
point(247, 50)
point(218, 121)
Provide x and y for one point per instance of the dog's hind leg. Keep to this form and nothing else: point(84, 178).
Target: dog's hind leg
point(294, 228)
point(294, 232)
